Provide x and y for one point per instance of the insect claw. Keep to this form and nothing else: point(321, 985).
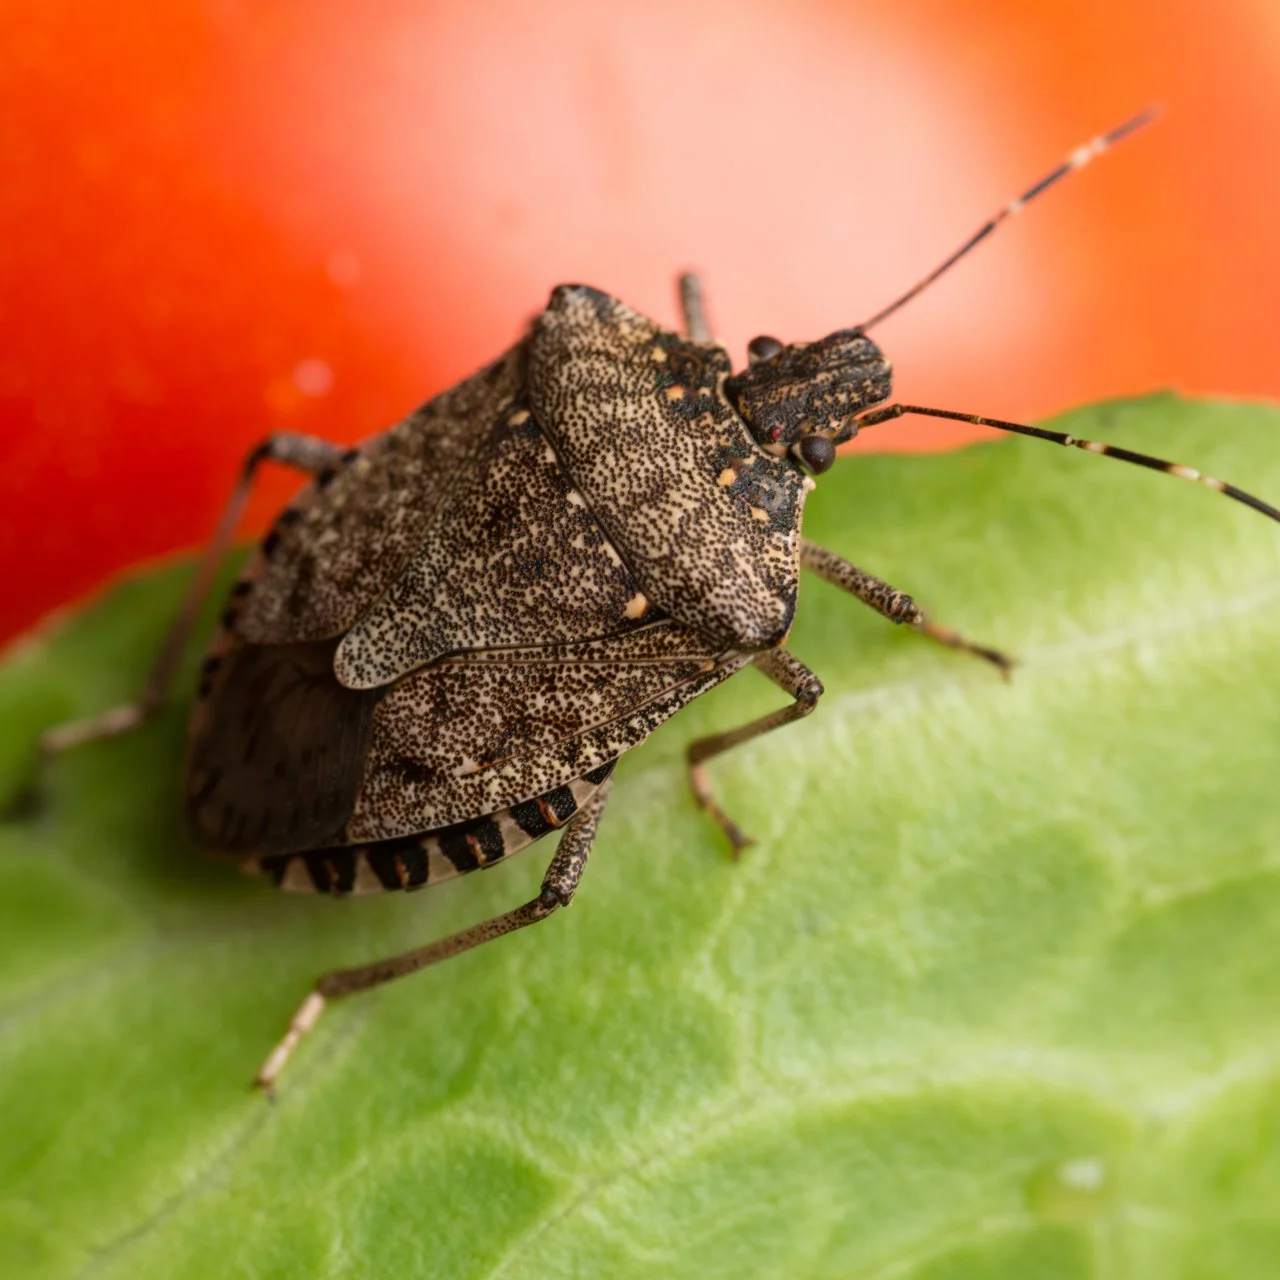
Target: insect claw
point(1001, 661)
point(705, 800)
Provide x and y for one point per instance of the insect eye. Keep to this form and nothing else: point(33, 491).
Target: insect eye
point(762, 348)
point(816, 453)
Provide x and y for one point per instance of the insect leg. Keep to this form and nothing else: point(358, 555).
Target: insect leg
point(306, 453)
point(558, 886)
point(693, 309)
point(891, 603)
point(789, 674)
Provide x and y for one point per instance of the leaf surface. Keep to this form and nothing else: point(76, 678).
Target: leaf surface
point(995, 995)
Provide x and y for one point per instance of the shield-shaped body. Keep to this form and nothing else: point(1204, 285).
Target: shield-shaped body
point(445, 643)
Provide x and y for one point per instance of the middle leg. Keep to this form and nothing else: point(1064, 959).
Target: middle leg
point(789, 674)
point(290, 448)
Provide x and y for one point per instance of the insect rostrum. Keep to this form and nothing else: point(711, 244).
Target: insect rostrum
point(439, 652)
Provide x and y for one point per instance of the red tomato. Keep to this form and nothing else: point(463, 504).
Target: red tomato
point(222, 218)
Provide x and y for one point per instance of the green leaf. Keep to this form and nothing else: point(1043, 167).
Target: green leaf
point(994, 996)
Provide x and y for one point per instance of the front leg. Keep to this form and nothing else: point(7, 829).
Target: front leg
point(891, 603)
point(790, 675)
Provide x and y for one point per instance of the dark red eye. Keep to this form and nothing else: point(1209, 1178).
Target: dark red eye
point(817, 453)
point(775, 433)
point(762, 348)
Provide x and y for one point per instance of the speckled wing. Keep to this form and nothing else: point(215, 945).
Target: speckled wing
point(515, 559)
point(707, 522)
point(469, 736)
point(352, 533)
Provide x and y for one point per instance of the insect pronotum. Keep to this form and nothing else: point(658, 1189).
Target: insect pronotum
point(445, 642)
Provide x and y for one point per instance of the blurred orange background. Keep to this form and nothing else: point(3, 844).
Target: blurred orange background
point(224, 217)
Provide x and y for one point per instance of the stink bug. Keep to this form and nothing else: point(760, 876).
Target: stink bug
point(445, 643)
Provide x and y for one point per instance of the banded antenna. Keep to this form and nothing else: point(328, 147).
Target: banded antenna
point(1080, 157)
point(1075, 442)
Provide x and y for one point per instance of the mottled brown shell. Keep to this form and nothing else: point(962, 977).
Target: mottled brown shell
point(355, 533)
point(498, 596)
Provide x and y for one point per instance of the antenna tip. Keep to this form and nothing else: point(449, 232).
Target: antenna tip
point(1140, 121)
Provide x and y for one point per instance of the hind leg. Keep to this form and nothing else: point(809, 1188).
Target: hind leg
point(305, 453)
point(558, 887)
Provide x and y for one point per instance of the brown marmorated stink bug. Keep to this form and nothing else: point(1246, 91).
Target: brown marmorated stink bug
point(444, 644)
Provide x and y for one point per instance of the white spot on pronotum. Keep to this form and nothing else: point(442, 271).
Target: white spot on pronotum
point(313, 377)
point(636, 605)
point(726, 477)
point(1074, 1191)
point(658, 354)
point(519, 418)
point(675, 393)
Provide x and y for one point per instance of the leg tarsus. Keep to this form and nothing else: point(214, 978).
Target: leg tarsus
point(789, 674)
point(705, 798)
point(558, 887)
point(305, 453)
point(954, 640)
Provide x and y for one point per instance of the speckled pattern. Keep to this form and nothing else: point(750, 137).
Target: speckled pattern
point(514, 559)
point(462, 738)
point(480, 609)
point(708, 523)
point(354, 535)
point(811, 388)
